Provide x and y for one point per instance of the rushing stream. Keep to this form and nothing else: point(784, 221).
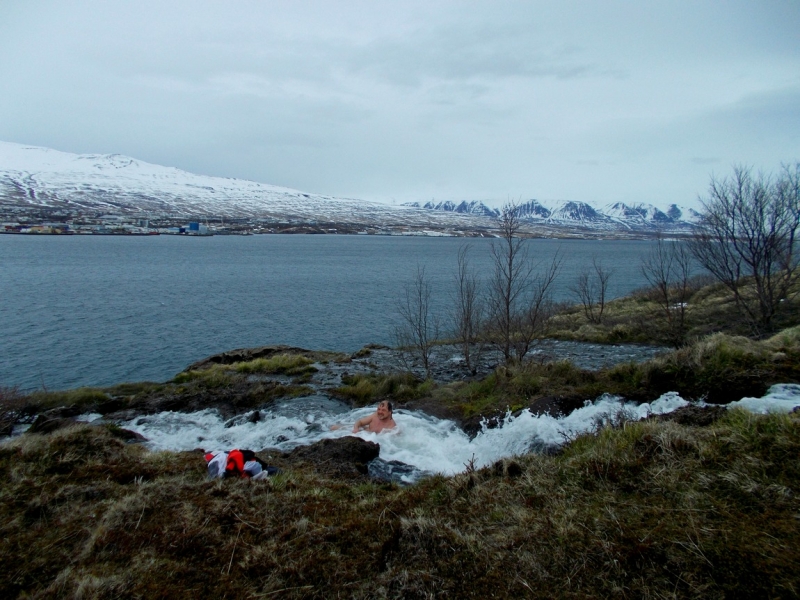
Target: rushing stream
point(427, 444)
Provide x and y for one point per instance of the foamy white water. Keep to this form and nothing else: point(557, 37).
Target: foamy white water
point(431, 445)
point(781, 398)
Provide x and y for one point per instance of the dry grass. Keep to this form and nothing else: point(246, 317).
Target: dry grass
point(287, 364)
point(654, 510)
point(637, 318)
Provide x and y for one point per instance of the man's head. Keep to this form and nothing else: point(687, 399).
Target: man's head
point(384, 409)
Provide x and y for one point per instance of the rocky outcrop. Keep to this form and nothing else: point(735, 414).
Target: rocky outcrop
point(695, 416)
point(345, 457)
point(244, 355)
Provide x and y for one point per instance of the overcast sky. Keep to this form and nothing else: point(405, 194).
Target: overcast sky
point(401, 100)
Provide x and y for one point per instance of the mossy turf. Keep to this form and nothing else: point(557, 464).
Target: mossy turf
point(648, 510)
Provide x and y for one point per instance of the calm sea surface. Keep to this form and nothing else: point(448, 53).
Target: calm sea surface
point(99, 310)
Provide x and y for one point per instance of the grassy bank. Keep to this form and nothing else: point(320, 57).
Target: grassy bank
point(654, 509)
point(640, 317)
point(719, 369)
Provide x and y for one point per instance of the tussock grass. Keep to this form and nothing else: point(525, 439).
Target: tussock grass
point(362, 389)
point(79, 397)
point(287, 364)
point(652, 509)
point(215, 377)
point(135, 388)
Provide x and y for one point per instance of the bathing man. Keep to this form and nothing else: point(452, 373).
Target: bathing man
point(378, 421)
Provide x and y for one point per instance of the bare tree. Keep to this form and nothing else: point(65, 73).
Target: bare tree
point(519, 302)
point(467, 310)
point(591, 288)
point(509, 280)
point(419, 328)
point(533, 317)
point(668, 269)
point(748, 239)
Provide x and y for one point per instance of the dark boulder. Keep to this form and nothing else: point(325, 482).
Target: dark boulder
point(111, 406)
point(45, 424)
point(127, 436)
point(341, 457)
point(695, 416)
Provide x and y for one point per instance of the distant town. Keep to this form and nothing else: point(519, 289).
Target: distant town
point(27, 220)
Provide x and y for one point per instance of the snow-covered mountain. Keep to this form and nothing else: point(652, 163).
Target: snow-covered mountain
point(474, 207)
point(34, 178)
point(619, 217)
point(43, 178)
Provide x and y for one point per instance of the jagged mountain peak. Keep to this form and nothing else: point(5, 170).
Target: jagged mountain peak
point(615, 216)
point(472, 207)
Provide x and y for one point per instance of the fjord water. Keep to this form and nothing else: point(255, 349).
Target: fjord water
point(99, 310)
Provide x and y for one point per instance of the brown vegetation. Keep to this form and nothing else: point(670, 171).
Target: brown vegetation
point(704, 308)
point(654, 509)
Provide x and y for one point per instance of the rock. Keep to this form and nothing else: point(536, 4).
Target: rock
point(696, 416)
point(392, 471)
point(62, 412)
point(345, 457)
point(127, 436)
point(45, 424)
point(111, 406)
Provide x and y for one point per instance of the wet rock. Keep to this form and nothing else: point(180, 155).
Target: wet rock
point(111, 406)
point(695, 416)
point(127, 436)
point(45, 424)
point(345, 457)
point(555, 406)
point(62, 412)
point(393, 471)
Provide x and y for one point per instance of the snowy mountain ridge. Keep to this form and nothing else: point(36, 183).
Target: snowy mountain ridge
point(36, 178)
point(617, 215)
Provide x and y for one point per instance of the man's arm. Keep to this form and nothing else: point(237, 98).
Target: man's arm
point(362, 422)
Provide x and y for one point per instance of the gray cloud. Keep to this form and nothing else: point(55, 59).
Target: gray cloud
point(413, 100)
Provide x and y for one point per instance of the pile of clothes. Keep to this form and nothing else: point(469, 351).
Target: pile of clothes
point(238, 463)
